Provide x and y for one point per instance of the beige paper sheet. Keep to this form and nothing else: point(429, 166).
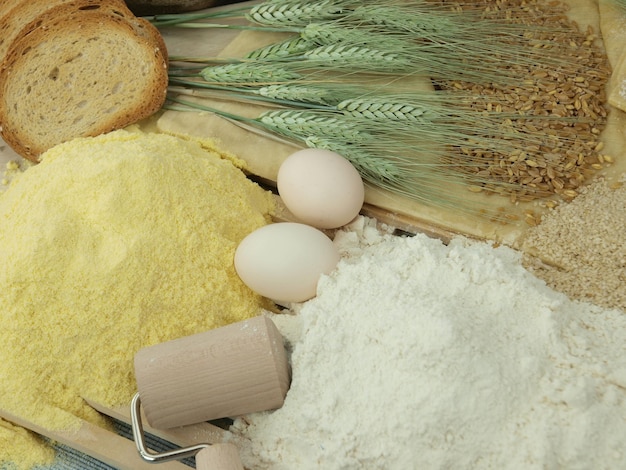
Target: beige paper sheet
point(613, 27)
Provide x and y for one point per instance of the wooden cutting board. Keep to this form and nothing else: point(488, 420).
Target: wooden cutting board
point(263, 156)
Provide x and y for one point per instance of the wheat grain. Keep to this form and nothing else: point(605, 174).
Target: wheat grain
point(248, 73)
point(337, 33)
point(327, 33)
point(361, 57)
point(305, 124)
point(565, 103)
point(390, 55)
point(380, 108)
point(299, 94)
point(330, 133)
point(287, 48)
point(295, 13)
point(421, 21)
point(499, 122)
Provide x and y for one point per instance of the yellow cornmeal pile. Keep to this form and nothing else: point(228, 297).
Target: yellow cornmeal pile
point(19, 445)
point(12, 169)
point(109, 245)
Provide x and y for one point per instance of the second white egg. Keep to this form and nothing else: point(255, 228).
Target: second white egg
point(284, 261)
point(321, 188)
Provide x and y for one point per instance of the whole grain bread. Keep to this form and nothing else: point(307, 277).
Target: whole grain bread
point(81, 75)
point(81, 68)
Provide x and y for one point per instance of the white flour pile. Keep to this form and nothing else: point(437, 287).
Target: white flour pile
point(421, 355)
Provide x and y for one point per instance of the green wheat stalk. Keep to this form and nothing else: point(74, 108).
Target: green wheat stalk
point(392, 37)
point(290, 47)
point(340, 80)
point(296, 13)
point(382, 157)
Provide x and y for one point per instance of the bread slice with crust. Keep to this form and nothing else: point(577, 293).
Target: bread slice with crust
point(30, 14)
point(20, 15)
point(77, 73)
point(7, 18)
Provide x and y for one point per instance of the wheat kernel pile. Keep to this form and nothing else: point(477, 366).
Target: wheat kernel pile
point(570, 151)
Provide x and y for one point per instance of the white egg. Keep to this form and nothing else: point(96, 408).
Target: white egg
point(321, 188)
point(284, 261)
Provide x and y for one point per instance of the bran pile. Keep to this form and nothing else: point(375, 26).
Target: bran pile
point(584, 245)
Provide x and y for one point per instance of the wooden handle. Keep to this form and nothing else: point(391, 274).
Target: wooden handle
point(99, 443)
point(226, 372)
point(219, 457)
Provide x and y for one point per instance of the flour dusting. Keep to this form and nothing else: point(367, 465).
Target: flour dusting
point(416, 354)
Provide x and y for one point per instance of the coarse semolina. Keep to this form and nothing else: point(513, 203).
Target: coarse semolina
point(108, 245)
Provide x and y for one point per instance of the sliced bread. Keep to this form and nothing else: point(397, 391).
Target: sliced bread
point(30, 14)
point(78, 72)
point(6, 17)
point(20, 15)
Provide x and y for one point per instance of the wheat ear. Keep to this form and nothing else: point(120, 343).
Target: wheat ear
point(295, 13)
point(290, 47)
point(245, 72)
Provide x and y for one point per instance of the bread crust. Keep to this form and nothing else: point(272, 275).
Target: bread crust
point(7, 5)
point(46, 95)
